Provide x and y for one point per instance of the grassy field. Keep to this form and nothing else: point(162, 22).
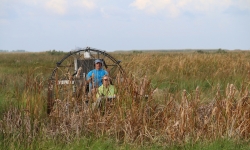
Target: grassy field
point(197, 100)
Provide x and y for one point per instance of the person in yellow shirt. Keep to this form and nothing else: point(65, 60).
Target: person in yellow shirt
point(105, 91)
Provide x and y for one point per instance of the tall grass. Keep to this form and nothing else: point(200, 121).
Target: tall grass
point(186, 70)
point(202, 97)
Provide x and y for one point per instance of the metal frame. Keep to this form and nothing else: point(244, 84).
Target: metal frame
point(53, 81)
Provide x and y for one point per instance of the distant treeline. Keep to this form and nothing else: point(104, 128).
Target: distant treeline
point(52, 52)
point(181, 50)
point(55, 52)
point(5, 51)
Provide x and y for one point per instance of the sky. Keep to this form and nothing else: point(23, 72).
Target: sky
point(41, 25)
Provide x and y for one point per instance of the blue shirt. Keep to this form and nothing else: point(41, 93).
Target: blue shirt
point(98, 74)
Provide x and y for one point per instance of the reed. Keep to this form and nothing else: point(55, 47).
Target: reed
point(143, 113)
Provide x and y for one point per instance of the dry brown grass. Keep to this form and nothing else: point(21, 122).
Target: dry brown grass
point(133, 118)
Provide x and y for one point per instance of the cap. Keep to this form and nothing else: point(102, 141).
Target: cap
point(98, 61)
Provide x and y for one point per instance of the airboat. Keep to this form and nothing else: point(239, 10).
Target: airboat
point(68, 79)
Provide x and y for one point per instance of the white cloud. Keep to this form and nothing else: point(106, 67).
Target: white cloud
point(57, 6)
point(151, 5)
point(85, 4)
point(65, 6)
point(174, 8)
point(31, 2)
point(60, 7)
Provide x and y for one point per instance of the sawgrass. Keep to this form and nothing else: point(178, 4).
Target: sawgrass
point(187, 70)
point(194, 100)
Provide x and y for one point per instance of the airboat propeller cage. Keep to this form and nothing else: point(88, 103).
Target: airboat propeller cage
point(69, 76)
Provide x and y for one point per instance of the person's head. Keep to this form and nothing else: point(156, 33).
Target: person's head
point(98, 64)
point(105, 80)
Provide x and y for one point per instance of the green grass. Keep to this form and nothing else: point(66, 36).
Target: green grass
point(172, 72)
point(109, 144)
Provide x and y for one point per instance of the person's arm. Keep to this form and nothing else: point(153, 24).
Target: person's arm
point(99, 92)
point(89, 76)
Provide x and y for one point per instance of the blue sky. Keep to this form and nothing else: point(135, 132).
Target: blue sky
point(40, 25)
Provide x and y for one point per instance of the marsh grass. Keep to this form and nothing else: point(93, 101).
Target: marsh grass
point(209, 101)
